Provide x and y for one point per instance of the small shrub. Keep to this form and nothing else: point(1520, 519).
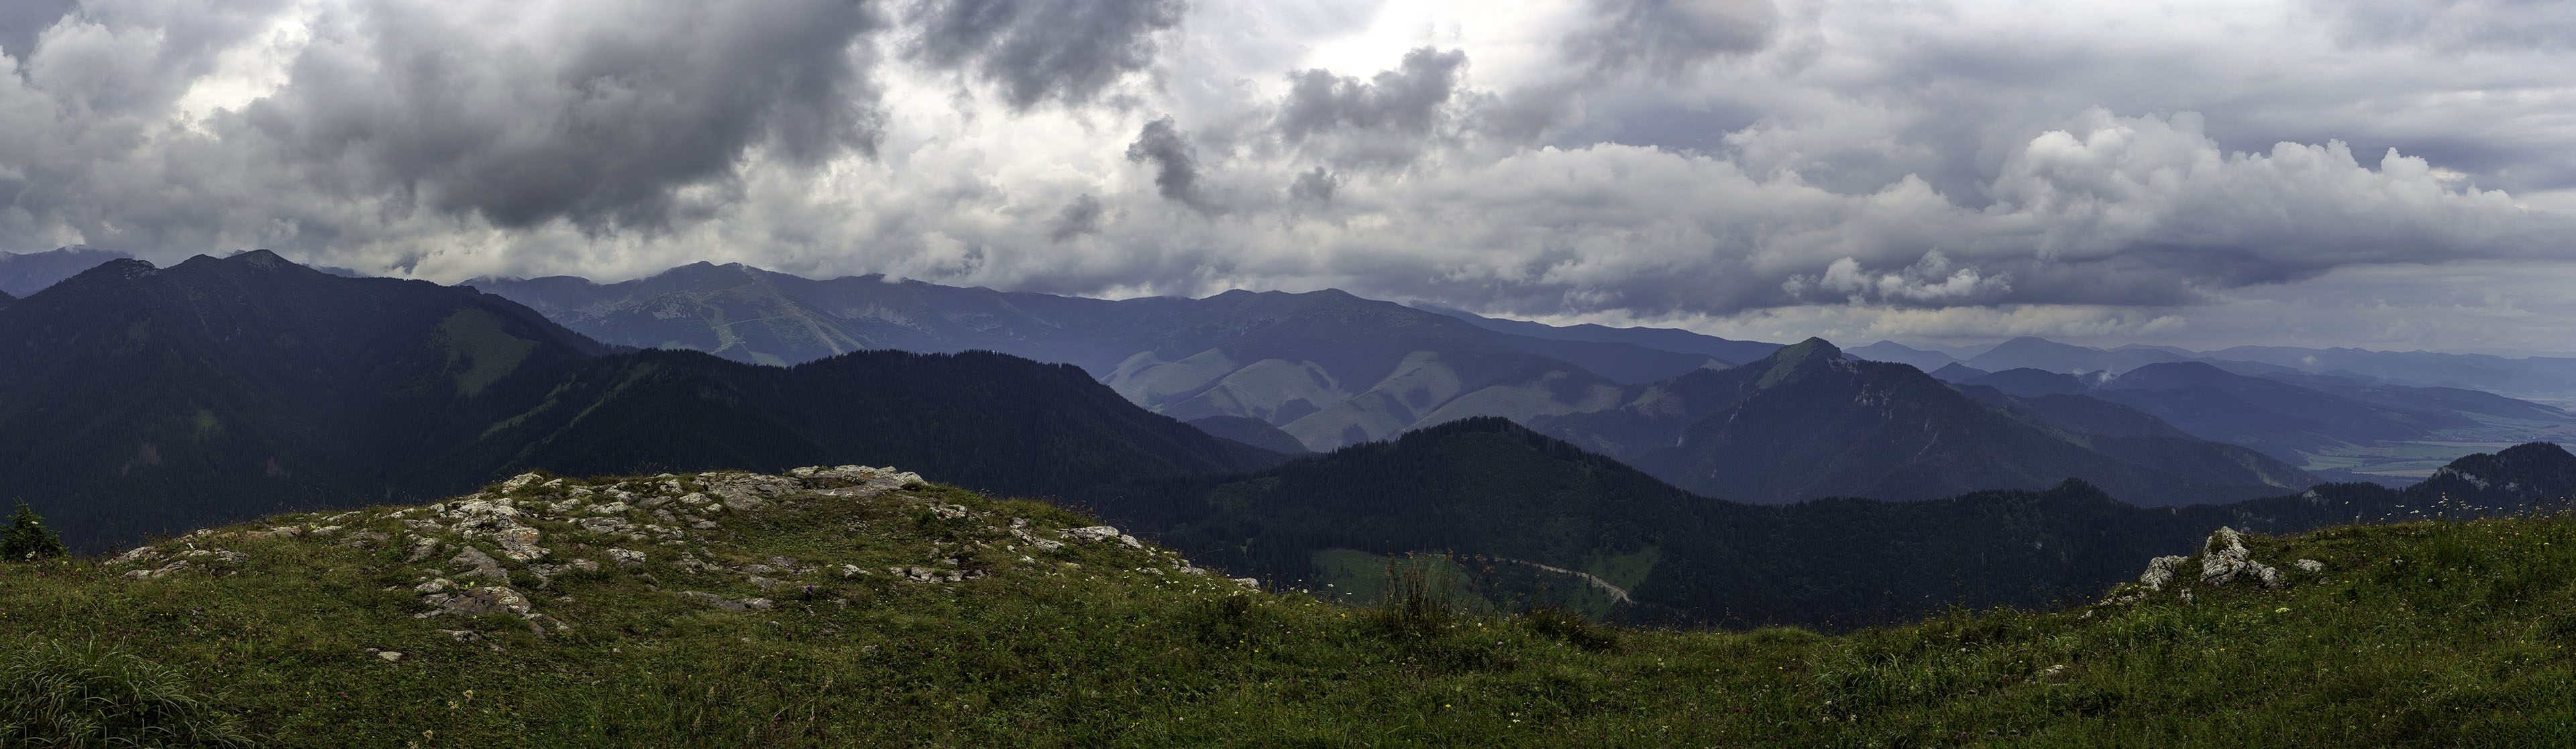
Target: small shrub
point(54, 693)
point(28, 538)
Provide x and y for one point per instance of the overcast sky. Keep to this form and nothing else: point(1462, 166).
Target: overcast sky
point(2350, 172)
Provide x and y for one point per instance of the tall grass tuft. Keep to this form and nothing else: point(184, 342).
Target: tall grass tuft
point(56, 694)
point(1420, 596)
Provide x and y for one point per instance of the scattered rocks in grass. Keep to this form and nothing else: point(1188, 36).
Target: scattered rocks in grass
point(160, 571)
point(626, 557)
point(1034, 541)
point(137, 555)
point(477, 601)
point(728, 604)
point(1101, 533)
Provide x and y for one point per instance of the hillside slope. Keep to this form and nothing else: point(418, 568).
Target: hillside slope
point(1492, 491)
point(852, 606)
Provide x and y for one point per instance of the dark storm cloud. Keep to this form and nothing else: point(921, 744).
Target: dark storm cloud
point(1036, 50)
point(1669, 36)
point(603, 127)
point(1080, 217)
point(1314, 184)
point(1387, 120)
point(1176, 171)
point(1404, 100)
point(22, 20)
point(2457, 25)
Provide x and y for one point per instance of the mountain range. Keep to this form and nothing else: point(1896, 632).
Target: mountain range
point(1327, 368)
point(1802, 486)
point(138, 399)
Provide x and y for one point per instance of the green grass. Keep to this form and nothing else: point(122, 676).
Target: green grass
point(2428, 634)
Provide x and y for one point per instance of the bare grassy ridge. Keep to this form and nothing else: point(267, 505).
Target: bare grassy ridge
point(2430, 634)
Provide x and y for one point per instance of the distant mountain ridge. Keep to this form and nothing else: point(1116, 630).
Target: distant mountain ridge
point(1808, 422)
point(22, 274)
point(143, 399)
point(1326, 367)
point(2299, 408)
point(1329, 369)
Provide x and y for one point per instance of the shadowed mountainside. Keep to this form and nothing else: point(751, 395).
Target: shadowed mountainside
point(1505, 498)
point(138, 400)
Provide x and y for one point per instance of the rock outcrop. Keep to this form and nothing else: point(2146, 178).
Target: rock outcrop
point(2224, 560)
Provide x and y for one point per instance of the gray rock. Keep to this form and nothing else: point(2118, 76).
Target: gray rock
point(2224, 558)
point(520, 543)
point(2160, 570)
point(765, 583)
point(626, 557)
point(480, 564)
point(2309, 565)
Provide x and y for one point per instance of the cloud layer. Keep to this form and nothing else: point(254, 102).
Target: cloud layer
point(1930, 168)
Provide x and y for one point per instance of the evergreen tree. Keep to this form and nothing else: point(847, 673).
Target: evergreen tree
point(28, 538)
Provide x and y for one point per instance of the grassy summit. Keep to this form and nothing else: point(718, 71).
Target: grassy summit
point(859, 607)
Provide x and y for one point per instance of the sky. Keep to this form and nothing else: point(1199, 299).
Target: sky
point(2372, 173)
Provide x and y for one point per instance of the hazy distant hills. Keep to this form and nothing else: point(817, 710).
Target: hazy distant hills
point(1808, 422)
point(1325, 367)
point(139, 399)
point(2297, 417)
point(1513, 503)
point(22, 274)
point(2540, 376)
point(1667, 339)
